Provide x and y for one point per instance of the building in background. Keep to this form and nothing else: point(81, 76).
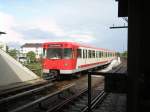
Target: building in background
point(35, 47)
point(3, 46)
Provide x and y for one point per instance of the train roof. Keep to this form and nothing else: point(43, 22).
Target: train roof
point(79, 45)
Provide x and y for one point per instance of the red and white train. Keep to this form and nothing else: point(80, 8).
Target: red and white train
point(69, 57)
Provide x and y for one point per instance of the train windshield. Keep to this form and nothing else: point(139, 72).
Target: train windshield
point(59, 53)
point(67, 53)
point(54, 53)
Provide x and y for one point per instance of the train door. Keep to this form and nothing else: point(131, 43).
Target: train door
point(80, 60)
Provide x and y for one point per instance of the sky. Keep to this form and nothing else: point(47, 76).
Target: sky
point(82, 21)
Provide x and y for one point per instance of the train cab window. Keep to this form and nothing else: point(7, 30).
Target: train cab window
point(67, 53)
point(54, 53)
point(79, 53)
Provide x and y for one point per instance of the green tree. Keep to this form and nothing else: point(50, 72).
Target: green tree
point(13, 53)
point(125, 54)
point(118, 54)
point(31, 56)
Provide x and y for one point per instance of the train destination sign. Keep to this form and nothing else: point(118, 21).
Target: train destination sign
point(55, 45)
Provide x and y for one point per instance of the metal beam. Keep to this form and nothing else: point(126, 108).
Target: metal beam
point(2, 32)
point(115, 27)
point(89, 92)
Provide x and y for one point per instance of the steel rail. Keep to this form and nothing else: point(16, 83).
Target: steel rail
point(59, 106)
point(96, 100)
point(42, 99)
point(32, 91)
point(20, 88)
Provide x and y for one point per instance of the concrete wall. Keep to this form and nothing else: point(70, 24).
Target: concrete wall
point(12, 71)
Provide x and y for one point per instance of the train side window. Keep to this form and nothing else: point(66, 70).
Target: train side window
point(99, 54)
point(104, 54)
point(89, 53)
point(79, 53)
point(96, 54)
point(83, 53)
point(93, 54)
point(86, 54)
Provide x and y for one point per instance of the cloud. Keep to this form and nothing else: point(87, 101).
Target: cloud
point(47, 29)
point(82, 37)
point(7, 23)
point(46, 24)
point(40, 30)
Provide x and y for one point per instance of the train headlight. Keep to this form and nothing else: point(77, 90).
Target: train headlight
point(65, 64)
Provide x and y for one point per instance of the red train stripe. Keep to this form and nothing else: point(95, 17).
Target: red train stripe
point(81, 66)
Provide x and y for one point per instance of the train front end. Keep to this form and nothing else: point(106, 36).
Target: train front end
point(58, 59)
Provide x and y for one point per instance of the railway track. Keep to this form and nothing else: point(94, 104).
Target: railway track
point(79, 102)
point(35, 99)
point(39, 100)
point(22, 88)
point(27, 98)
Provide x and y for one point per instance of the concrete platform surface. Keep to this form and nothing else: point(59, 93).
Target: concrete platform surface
point(12, 72)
